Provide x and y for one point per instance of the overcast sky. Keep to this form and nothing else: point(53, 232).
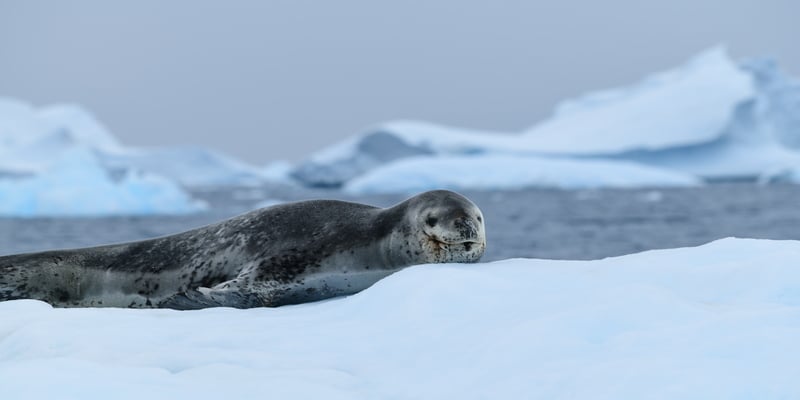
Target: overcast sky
point(265, 80)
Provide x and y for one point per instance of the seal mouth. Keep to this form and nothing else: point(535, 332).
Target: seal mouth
point(467, 243)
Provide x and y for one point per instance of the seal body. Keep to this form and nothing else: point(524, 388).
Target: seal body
point(285, 254)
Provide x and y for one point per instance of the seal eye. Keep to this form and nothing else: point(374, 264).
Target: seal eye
point(431, 221)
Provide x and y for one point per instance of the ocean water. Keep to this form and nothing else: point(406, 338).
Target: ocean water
point(536, 223)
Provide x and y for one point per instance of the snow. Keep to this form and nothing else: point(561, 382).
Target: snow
point(711, 118)
point(76, 185)
point(715, 321)
point(494, 172)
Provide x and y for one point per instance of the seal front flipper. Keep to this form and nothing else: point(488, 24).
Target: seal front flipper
point(206, 298)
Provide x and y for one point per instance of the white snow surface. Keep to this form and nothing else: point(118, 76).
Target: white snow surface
point(711, 118)
point(711, 322)
point(497, 172)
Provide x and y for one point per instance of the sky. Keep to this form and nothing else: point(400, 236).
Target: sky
point(269, 80)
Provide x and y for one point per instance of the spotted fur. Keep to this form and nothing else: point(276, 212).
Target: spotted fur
point(285, 254)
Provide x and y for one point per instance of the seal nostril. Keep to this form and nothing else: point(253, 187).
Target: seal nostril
point(467, 246)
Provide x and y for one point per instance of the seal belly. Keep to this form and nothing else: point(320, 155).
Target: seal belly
point(324, 285)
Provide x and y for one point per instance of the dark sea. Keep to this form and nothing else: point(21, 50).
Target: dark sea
point(534, 223)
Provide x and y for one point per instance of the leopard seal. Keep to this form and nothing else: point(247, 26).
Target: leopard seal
point(285, 254)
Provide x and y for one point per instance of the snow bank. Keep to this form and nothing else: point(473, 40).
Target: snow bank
point(494, 172)
point(76, 184)
point(716, 321)
point(711, 118)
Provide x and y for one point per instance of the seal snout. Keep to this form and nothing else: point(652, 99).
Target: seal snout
point(463, 230)
point(466, 227)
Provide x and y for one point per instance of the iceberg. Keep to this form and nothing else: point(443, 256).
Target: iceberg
point(689, 105)
point(762, 136)
point(21, 124)
point(193, 167)
point(77, 185)
point(719, 321)
point(277, 172)
point(334, 166)
point(711, 118)
point(45, 151)
point(498, 172)
point(52, 164)
point(30, 139)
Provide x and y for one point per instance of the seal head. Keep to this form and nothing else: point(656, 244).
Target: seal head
point(447, 227)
